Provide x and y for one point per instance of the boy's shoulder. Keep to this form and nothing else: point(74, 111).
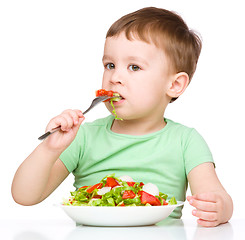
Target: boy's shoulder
point(179, 128)
point(177, 125)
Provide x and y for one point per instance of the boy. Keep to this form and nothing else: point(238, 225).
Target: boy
point(149, 58)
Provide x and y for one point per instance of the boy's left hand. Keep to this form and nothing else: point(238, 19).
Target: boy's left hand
point(209, 207)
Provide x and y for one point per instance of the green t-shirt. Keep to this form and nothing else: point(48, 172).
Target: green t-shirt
point(164, 158)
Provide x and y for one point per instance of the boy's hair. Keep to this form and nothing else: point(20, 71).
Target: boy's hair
point(167, 31)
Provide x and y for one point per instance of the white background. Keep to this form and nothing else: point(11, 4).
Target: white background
point(50, 60)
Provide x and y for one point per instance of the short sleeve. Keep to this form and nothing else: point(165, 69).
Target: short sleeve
point(71, 156)
point(195, 151)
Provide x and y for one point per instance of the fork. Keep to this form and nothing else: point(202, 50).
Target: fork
point(93, 104)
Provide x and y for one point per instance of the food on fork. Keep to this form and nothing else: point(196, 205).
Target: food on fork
point(113, 191)
point(115, 97)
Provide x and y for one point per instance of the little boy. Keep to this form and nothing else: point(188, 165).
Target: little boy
point(149, 58)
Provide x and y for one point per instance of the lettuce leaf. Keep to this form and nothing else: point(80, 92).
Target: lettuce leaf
point(114, 110)
point(172, 201)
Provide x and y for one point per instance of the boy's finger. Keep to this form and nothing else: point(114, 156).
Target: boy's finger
point(76, 127)
point(59, 121)
point(205, 223)
point(81, 119)
point(80, 116)
point(207, 216)
point(69, 122)
point(203, 205)
point(79, 112)
point(209, 197)
point(75, 115)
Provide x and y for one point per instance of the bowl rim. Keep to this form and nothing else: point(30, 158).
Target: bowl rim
point(179, 203)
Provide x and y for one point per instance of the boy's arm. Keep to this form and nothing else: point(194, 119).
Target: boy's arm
point(213, 204)
point(57, 175)
point(42, 171)
point(37, 177)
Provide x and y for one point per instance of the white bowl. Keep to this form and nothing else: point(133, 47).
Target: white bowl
point(119, 216)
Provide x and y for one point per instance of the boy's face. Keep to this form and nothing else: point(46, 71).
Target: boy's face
point(140, 73)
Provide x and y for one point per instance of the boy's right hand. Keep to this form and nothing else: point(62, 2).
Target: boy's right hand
point(70, 121)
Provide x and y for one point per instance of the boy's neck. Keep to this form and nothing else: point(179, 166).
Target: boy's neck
point(138, 127)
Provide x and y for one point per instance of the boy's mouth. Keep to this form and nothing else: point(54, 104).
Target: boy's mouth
point(117, 97)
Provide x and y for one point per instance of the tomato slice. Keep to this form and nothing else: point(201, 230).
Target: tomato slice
point(164, 202)
point(128, 194)
point(98, 186)
point(97, 196)
point(110, 93)
point(111, 182)
point(130, 184)
point(148, 198)
point(103, 92)
point(97, 93)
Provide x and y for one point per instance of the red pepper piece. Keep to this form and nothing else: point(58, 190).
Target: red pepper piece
point(100, 92)
point(98, 186)
point(97, 196)
point(103, 92)
point(148, 198)
point(110, 93)
point(111, 182)
point(128, 194)
point(164, 202)
point(83, 187)
point(130, 184)
point(97, 93)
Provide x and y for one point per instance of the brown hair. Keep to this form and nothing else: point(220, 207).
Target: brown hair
point(166, 30)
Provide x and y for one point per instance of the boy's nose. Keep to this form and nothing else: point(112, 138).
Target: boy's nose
point(116, 78)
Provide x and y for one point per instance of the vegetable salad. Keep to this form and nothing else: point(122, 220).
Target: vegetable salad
point(123, 191)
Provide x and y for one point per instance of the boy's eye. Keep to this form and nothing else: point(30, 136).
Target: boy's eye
point(134, 68)
point(110, 66)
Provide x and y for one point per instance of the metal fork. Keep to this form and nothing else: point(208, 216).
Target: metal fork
point(93, 104)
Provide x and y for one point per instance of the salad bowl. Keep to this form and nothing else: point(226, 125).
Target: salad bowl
point(119, 216)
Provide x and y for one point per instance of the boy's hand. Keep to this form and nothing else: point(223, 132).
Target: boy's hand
point(209, 207)
point(70, 121)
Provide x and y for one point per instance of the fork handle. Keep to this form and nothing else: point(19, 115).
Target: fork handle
point(49, 132)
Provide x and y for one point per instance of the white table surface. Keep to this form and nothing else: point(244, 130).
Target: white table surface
point(66, 229)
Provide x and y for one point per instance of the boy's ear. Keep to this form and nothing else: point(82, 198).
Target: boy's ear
point(178, 84)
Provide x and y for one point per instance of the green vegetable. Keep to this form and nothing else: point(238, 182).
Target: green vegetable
point(114, 110)
point(163, 195)
point(111, 201)
point(130, 201)
point(172, 201)
point(115, 99)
